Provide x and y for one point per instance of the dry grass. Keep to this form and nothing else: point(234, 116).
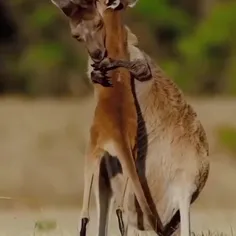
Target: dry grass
point(64, 222)
point(212, 233)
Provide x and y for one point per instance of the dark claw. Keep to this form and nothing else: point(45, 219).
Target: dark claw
point(99, 78)
point(96, 77)
point(106, 82)
point(95, 66)
point(84, 223)
point(104, 65)
point(120, 221)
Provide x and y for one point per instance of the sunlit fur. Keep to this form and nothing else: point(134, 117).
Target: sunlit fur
point(114, 129)
point(176, 158)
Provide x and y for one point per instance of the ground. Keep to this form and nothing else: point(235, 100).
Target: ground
point(21, 223)
point(42, 144)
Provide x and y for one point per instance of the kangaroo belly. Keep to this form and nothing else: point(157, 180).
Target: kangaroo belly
point(163, 173)
point(157, 183)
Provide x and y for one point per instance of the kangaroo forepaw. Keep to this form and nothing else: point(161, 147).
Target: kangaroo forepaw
point(140, 70)
point(101, 78)
point(105, 65)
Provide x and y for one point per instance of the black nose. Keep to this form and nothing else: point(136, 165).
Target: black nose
point(97, 55)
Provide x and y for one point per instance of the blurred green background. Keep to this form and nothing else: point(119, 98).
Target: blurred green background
point(46, 101)
point(193, 41)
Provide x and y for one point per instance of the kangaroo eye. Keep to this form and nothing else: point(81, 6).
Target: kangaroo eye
point(77, 37)
point(99, 24)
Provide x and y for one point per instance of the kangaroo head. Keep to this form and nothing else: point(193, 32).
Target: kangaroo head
point(86, 25)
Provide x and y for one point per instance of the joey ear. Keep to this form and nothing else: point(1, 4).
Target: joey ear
point(66, 6)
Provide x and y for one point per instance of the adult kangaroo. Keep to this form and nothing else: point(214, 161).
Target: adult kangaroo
point(173, 152)
point(114, 126)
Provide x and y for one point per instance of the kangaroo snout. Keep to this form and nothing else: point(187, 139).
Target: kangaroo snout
point(98, 55)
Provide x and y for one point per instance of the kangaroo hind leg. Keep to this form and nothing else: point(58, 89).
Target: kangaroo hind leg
point(184, 194)
point(92, 161)
point(184, 208)
point(103, 197)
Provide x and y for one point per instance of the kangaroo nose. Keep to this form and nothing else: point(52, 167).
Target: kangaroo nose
point(97, 55)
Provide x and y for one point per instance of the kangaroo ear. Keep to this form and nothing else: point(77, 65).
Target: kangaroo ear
point(113, 4)
point(119, 4)
point(132, 3)
point(66, 6)
point(131, 37)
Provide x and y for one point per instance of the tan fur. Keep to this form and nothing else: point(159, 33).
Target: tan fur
point(115, 121)
point(176, 144)
point(114, 128)
point(176, 158)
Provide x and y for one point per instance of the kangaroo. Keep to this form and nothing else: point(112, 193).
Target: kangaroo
point(175, 142)
point(114, 125)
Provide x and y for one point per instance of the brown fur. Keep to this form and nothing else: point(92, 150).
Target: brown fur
point(114, 127)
